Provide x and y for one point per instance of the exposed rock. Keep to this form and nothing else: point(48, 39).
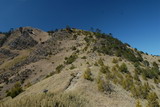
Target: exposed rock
point(50, 47)
point(7, 53)
point(22, 42)
point(4, 77)
point(21, 76)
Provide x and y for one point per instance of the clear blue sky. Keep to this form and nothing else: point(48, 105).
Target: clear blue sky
point(136, 22)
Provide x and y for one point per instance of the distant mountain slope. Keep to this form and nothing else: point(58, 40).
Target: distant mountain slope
point(72, 67)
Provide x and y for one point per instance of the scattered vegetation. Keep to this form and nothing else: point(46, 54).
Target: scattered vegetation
point(74, 37)
point(152, 100)
point(148, 72)
point(14, 62)
point(104, 85)
point(104, 69)
point(73, 48)
point(100, 62)
point(84, 57)
point(87, 74)
point(121, 75)
point(146, 63)
point(59, 68)
point(71, 59)
point(118, 74)
point(112, 46)
point(16, 90)
point(138, 104)
point(114, 60)
point(123, 68)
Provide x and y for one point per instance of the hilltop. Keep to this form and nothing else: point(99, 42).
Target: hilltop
point(73, 67)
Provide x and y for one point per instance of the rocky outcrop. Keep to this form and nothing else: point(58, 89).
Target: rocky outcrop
point(50, 47)
point(22, 76)
point(22, 42)
point(7, 53)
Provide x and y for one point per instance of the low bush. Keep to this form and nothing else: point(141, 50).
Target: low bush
point(114, 60)
point(104, 86)
point(100, 62)
point(84, 57)
point(71, 59)
point(138, 104)
point(141, 91)
point(59, 68)
point(127, 83)
point(16, 90)
point(87, 74)
point(104, 69)
point(73, 48)
point(123, 68)
point(152, 100)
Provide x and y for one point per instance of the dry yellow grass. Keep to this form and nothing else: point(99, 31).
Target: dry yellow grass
point(12, 62)
point(47, 100)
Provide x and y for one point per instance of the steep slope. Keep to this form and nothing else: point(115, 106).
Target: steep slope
point(72, 67)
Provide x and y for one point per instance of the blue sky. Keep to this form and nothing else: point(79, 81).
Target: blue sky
point(136, 22)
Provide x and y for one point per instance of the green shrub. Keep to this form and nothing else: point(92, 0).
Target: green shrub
point(157, 81)
point(145, 90)
point(16, 90)
point(136, 64)
point(155, 65)
point(104, 69)
point(127, 83)
point(139, 57)
point(138, 104)
point(136, 91)
point(71, 59)
point(95, 64)
point(87, 39)
point(146, 63)
point(123, 68)
point(114, 60)
point(100, 62)
point(112, 46)
point(74, 37)
point(152, 100)
point(136, 76)
point(84, 57)
point(141, 91)
point(104, 86)
point(87, 74)
point(59, 68)
point(150, 73)
point(73, 48)
point(100, 84)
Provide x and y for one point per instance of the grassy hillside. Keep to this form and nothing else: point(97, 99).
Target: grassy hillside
point(72, 67)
